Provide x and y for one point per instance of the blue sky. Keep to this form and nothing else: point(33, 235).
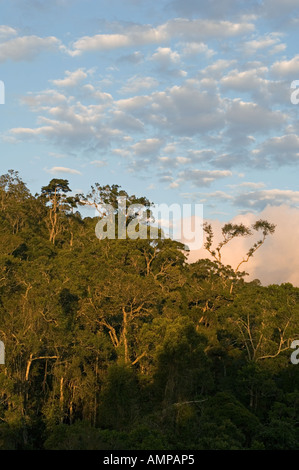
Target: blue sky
point(180, 101)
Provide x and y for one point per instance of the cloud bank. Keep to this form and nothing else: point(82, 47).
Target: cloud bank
point(277, 261)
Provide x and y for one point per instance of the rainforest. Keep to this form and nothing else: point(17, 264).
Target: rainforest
point(123, 344)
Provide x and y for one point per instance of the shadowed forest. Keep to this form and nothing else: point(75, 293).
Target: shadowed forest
point(123, 345)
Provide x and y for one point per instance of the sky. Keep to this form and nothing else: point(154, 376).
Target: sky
point(184, 102)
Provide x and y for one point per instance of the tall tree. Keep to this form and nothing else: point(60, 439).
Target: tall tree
point(56, 194)
point(231, 231)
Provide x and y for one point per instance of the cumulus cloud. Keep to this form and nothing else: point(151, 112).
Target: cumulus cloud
point(72, 78)
point(134, 103)
point(248, 184)
point(207, 197)
point(244, 80)
point(90, 92)
point(137, 83)
point(274, 10)
point(125, 122)
point(56, 170)
point(195, 48)
point(286, 68)
point(277, 261)
point(187, 110)
point(203, 177)
point(250, 117)
point(26, 47)
point(246, 196)
point(138, 35)
point(216, 69)
point(282, 150)
point(147, 147)
point(168, 61)
point(7, 31)
point(44, 100)
point(184, 110)
point(71, 125)
point(253, 82)
point(270, 41)
point(261, 198)
point(166, 57)
point(204, 155)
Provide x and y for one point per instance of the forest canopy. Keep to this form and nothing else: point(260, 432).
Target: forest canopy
point(123, 344)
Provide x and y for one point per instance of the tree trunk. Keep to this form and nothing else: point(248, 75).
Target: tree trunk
point(61, 399)
point(125, 332)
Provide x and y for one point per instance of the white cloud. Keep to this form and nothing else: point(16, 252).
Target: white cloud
point(283, 150)
point(287, 68)
point(269, 41)
point(216, 69)
point(206, 197)
point(147, 147)
point(91, 92)
point(248, 184)
point(126, 122)
point(182, 160)
point(195, 48)
point(168, 62)
point(44, 100)
point(249, 117)
point(6, 32)
point(253, 82)
point(277, 261)
point(72, 78)
point(166, 57)
point(137, 83)
point(245, 81)
point(55, 170)
point(203, 177)
point(99, 163)
point(200, 29)
point(258, 200)
point(137, 35)
point(187, 110)
point(134, 103)
point(71, 125)
point(26, 47)
point(204, 155)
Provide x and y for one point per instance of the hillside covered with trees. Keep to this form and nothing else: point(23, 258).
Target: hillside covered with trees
point(122, 344)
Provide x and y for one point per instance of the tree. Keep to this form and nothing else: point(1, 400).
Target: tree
point(231, 231)
point(118, 305)
point(15, 199)
point(114, 204)
point(56, 194)
point(265, 320)
point(120, 343)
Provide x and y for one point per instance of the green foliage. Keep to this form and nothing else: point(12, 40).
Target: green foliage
point(119, 406)
point(120, 344)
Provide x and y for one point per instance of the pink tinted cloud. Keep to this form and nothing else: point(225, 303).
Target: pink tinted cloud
point(277, 261)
